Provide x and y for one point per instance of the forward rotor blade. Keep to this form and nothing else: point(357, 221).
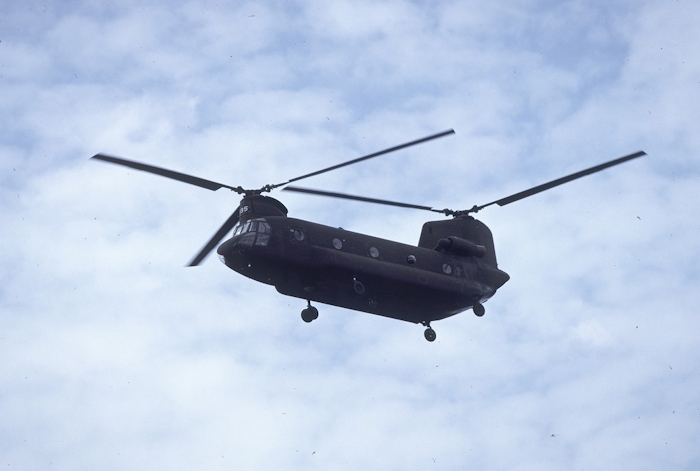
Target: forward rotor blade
point(182, 177)
point(375, 154)
point(357, 198)
point(216, 238)
point(559, 181)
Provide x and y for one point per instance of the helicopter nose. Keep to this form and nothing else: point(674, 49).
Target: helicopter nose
point(225, 249)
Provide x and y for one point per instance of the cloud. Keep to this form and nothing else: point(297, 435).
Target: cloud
point(115, 355)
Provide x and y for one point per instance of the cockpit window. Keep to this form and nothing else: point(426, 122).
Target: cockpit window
point(263, 227)
point(253, 232)
point(238, 229)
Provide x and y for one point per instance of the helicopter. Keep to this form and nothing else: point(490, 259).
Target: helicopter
point(452, 269)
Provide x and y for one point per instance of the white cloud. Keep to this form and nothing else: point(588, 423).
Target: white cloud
point(114, 355)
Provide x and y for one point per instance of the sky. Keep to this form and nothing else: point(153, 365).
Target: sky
point(114, 355)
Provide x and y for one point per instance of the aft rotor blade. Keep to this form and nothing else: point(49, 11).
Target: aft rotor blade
point(375, 154)
point(182, 177)
point(559, 181)
point(216, 238)
point(358, 198)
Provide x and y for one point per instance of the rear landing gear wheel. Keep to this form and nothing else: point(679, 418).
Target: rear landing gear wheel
point(478, 309)
point(309, 314)
point(430, 335)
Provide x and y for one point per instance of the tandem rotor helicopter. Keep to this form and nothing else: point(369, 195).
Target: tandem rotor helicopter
point(453, 268)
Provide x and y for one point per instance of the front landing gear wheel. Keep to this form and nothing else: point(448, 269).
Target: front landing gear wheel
point(478, 309)
point(309, 314)
point(430, 335)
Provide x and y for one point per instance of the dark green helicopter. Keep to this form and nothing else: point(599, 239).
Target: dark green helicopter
point(453, 268)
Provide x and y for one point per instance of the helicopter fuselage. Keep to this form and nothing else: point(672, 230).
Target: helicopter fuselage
point(453, 267)
point(356, 271)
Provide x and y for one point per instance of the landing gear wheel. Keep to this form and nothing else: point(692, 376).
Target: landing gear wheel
point(430, 335)
point(309, 314)
point(478, 309)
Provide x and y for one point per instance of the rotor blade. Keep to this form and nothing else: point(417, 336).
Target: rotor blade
point(216, 238)
point(360, 159)
point(560, 181)
point(201, 182)
point(358, 198)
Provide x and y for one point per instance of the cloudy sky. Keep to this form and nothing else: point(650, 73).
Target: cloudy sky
point(113, 355)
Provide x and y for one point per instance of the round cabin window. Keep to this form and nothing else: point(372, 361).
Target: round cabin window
point(374, 252)
point(411, 260)
point(446, 268)
point(337, 243)
point(298, 234)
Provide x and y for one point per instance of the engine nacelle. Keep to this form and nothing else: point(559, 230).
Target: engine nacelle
point(459, 246)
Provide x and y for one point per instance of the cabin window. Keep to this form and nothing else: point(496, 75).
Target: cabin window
point(337, 243)
point(374, 252)
point(297, 234)
point(446, 268)
point(411, 260)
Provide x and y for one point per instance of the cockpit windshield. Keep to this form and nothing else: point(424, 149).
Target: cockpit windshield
point(253, 232)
